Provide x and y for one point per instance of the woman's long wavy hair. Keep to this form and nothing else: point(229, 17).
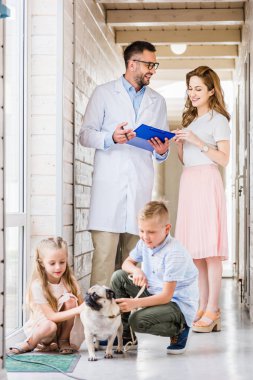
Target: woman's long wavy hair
point(216, 101)
point(40, 274)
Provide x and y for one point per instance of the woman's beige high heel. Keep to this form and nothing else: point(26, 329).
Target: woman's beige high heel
point(205, 327)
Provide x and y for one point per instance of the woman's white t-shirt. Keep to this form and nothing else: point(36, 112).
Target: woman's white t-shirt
point(210, 128)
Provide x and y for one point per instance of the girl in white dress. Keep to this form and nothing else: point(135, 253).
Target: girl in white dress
point(55, 302)
point(203, 145)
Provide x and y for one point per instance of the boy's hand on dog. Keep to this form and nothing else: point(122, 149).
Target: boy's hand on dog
point(127, 304)
point(139, 278)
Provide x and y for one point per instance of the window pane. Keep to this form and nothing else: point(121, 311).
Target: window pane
point(14, 253)
point(14, 107)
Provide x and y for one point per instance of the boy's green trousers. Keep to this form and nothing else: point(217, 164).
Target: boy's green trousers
point(163, 320)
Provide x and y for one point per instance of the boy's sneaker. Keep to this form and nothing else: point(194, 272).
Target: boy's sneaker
point(178, 342)
point(102, 344)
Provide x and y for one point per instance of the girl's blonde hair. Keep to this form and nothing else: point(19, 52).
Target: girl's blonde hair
point(39, 273)
point(155, 209)
point(216, 101)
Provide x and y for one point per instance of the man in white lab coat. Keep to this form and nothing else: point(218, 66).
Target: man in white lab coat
point(123, 174)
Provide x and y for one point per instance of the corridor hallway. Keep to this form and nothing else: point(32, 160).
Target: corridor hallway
point(53, 54)
point(216, 356)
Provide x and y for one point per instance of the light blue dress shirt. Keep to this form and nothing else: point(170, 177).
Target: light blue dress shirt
point(136, 99)
point(170, 262)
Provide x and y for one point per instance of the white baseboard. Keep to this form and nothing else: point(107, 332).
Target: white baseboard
point(228, 269)
point(3, 374)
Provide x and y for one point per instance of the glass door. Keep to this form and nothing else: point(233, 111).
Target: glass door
point(14, 132)
point(247, 185)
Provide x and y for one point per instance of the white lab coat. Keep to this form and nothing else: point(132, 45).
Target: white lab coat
point(123, 175)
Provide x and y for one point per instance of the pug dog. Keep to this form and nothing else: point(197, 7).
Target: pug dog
point(101, 320)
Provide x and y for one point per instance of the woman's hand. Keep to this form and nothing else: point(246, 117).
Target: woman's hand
point(186, 135)
point(176, 139)
point(159, 146)
point(179, 143)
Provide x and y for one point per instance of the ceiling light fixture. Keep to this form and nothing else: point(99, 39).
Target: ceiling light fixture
point(178, 48)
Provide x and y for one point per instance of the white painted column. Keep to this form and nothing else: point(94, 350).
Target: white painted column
point(3, 374)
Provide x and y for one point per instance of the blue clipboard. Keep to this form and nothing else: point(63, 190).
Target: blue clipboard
point(146, 132)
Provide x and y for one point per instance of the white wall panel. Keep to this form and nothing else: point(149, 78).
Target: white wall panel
point(43, 95)
point(245, 208)
point(97, 60)
point(2, 287)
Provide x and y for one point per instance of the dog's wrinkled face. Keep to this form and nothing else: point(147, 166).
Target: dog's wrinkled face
point(97, 296)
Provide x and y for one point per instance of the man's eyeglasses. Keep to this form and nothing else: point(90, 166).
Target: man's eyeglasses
point(150, 65)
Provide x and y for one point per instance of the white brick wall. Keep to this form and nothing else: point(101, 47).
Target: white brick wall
point(68, 123)
point(43, 94)
point(97, 60)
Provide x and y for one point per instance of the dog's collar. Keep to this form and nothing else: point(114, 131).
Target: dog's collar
point(111, 316)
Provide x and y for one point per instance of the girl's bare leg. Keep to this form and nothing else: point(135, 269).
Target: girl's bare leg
point(65, 328)
point(44, 332)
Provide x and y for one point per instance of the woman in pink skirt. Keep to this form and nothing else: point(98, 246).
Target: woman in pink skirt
point(203, 145)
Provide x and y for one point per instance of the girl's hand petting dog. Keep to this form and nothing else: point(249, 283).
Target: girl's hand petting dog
point(80, 308)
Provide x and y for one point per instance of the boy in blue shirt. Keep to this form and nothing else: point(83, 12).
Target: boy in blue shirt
point(170, 300)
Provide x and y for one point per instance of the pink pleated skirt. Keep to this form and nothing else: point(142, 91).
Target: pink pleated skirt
point(202, 218)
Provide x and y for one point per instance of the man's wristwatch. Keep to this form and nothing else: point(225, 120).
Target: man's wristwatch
point(204, 148)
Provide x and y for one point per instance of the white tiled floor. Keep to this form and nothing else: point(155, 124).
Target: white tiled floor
point(227, 355)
